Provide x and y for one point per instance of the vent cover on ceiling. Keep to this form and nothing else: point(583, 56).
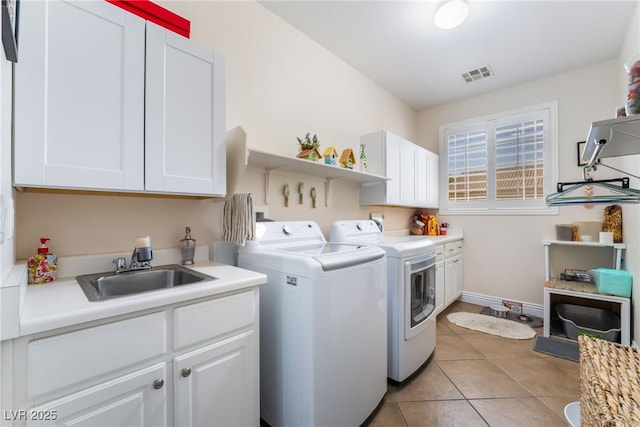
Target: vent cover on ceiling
point(477, 74)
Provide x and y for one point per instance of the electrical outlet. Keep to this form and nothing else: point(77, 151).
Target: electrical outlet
point(262, 212)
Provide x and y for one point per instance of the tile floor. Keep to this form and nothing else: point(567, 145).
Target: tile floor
point(476, 379)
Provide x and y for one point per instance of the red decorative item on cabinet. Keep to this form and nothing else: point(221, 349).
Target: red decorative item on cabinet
point(154, 13)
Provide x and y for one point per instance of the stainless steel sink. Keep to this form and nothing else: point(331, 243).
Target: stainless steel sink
point(103, 286)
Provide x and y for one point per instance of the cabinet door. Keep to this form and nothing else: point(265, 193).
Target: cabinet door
point(440, 286)
point(409, 170)
point(433, 180)
point(79, 96)
point(137, 399)
point(450, 280)
point(185, 120)
point(219, 385)
point(393, 168)
point(421, 177)
point(458, 269)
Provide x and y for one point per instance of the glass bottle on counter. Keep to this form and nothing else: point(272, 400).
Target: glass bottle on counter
point(187, 247)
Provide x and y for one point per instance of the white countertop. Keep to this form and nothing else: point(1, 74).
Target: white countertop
point(453, 234)
point(62, 303)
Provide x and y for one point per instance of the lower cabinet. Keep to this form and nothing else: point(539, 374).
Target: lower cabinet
point(125, 401)
point(199, 399)
point(451, 277)
point(190, 365)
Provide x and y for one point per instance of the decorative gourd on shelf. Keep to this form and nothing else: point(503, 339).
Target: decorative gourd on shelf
point(309, 148)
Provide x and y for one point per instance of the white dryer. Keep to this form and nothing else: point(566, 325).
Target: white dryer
point(323, 357)
point(411, 293)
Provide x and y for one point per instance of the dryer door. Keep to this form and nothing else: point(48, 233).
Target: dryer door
point(420, 294)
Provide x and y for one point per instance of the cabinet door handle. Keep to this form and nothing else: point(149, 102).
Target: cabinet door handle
point(158, 384)
point(186, 372)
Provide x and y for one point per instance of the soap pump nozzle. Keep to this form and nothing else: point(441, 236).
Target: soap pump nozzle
point(43, 249)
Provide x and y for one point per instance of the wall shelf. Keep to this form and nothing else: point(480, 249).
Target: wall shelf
point(617, 251)
point(239, 157)
point(583, 293)
point(270, 162)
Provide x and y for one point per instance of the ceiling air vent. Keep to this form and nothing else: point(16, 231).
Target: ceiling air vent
point(477, 74)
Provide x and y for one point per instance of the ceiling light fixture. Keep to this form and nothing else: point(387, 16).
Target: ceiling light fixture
point(451, 13)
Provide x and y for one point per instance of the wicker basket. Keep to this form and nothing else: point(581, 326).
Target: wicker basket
point(609, 383)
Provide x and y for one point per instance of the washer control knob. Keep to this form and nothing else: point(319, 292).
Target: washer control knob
point(287, 230)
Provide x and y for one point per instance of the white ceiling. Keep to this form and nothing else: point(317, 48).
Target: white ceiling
point(397, 44)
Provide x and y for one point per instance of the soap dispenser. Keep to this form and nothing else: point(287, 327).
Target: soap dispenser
point(187, 247)
point(42, 266)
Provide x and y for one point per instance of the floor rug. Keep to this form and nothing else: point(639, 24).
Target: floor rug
point(491, 325)
point(559, 348)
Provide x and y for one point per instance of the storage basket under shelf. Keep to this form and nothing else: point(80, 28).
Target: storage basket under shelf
point(609, 383)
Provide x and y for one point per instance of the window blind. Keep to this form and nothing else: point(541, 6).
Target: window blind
point(498, 162)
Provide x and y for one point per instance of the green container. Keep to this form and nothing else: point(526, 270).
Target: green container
point(613, 282)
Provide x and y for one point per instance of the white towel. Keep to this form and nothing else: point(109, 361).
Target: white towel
point(239, 219)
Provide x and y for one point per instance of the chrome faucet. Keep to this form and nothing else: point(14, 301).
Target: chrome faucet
point(140, 258)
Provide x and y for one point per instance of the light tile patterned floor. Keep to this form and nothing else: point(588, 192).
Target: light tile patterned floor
point(476, 379)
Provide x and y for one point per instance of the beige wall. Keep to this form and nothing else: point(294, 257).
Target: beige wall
point(280, 85)
point(504, 254)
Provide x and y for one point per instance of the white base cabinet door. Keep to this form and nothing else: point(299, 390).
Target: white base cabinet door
point(137, 399)
point(452, 271)
point(218, 385)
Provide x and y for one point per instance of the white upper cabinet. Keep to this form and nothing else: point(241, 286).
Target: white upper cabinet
point(185, 129)
point(80, 103)
point(411, 169)
point(79, 97)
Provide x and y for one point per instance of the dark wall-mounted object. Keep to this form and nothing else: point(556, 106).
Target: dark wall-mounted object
point(10, 14)
point(581, 146)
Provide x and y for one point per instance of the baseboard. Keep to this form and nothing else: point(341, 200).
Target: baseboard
point(487, 300)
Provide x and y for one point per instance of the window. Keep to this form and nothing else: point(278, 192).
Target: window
point(504, 163)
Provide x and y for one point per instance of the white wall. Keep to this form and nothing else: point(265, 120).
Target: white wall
point(504, 254)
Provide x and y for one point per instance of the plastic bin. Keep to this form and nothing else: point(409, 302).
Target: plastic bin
point(591, 321)
point(613, 282)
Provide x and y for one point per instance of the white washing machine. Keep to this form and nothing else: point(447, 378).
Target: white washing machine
point(411, 293)
point(323, 311)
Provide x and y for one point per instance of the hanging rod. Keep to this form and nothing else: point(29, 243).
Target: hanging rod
point(624, 183)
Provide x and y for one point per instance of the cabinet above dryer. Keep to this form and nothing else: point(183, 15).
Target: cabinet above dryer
point(411, 170)
point(107, 101)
